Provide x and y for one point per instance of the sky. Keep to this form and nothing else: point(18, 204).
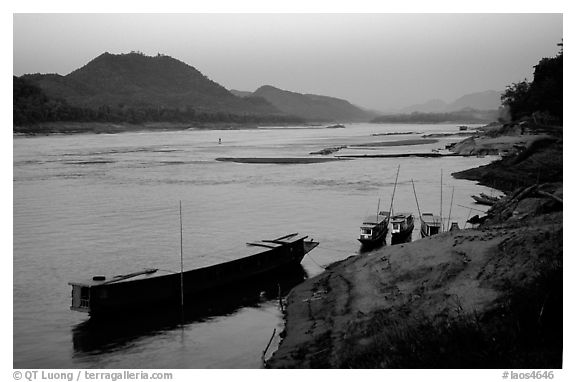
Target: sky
point(378, 61)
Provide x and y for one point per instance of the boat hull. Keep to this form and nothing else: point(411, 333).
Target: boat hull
point(148, 293)
point(374, 240)
point(402, 236)
point(484, 201)
point(430, 224)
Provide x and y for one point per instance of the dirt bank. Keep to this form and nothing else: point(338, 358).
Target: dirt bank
point(433, 303)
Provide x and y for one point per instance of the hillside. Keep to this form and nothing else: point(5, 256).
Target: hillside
point(432, 106)
point(312, 107)
point(136, 80)
point(487, 100)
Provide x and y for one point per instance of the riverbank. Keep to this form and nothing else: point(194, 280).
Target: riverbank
point(488, 297)
point(51, 128)
point(530, 154)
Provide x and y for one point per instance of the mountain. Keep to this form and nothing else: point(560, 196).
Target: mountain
point(487, 100)
point(136, 80)
point(431, 106)
point(312, 107)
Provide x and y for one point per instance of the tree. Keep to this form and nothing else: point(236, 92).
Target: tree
point(543, 96)
point(516, 98)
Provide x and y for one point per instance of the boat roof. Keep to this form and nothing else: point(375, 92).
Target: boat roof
point(401, 215)
point(430, 219)
point(243, 251)
point(374, 219)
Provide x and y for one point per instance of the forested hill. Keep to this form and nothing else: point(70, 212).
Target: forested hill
point(34, 112)
point(136, 80)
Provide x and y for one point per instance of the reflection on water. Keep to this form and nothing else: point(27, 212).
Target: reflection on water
point(113, 333)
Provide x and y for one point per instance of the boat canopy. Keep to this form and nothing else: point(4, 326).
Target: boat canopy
point(374, 219)
point(430, 219)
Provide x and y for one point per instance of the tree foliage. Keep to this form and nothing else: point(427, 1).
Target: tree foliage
point(542, 96)
point(461, 116)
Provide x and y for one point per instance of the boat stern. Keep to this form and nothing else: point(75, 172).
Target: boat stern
point(80, 298)
point(309, 245)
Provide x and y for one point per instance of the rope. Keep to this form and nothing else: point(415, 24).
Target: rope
point(314, 261)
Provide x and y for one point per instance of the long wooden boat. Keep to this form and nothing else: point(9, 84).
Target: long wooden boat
point(374, 228)
point(150, 287)
point(485, 199)
point(402, 226)
point(430, 224)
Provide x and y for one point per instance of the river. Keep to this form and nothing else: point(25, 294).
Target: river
point(108, 204)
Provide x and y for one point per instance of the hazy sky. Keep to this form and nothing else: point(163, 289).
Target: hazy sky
point(379, 61)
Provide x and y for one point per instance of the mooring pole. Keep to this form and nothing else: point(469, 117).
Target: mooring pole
point(181, 269)
point(450, 213)
point(441, 221)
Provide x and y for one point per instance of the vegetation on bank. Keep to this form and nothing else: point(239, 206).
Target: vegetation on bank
point(461, 116)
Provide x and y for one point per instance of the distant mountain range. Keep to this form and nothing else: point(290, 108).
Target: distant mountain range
point(138, 81)
point(139, 88)
point(487, 100)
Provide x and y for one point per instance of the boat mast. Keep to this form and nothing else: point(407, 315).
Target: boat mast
point(393, 192)
point(378, 211)
point(441, 222)
point(416, 197)
point(181, 268)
